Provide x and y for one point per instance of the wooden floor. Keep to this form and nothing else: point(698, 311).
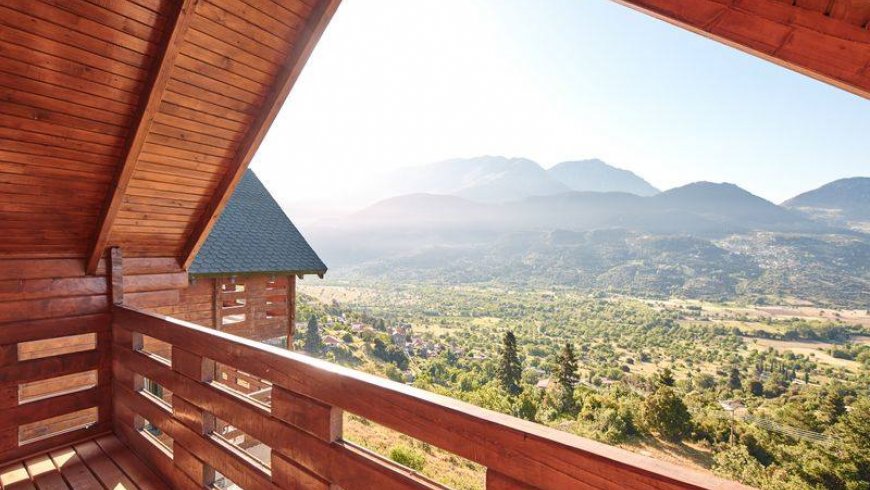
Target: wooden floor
point(101, 463)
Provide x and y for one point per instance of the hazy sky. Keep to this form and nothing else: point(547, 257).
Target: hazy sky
point(394, 83)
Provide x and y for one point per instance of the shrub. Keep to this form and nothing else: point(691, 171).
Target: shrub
point(406, 456)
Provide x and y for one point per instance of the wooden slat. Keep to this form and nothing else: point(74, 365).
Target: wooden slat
point(15, 477)
point(102, 467)
point(302, 48)
point(44, 474)
point(74, 470)
point(149, 107)
point(144, 478)
point(38, 369)
point(53, 407)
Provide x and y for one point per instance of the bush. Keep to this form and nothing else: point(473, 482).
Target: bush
point(612, 427)
point(666, 414)
point(406, 456)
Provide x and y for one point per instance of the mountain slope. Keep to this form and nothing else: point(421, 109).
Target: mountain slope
point(840, 201)
point(597, 176)
point(485, 179)
point(731, 205)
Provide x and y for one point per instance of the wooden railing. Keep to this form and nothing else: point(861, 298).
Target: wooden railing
point(303, 424)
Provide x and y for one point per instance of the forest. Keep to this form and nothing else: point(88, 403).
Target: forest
point(772, 397)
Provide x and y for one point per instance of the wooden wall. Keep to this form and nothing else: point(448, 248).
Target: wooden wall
point(55, 357)
point(42, 300)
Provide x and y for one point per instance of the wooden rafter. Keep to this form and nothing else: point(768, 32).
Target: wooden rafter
point(807, 41)
point(285, 80)
point(148, 108)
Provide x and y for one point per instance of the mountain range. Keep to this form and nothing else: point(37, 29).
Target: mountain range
point(499, 179)
point(586, 224)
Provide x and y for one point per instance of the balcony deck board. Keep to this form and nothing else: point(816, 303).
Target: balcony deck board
point(103, 462)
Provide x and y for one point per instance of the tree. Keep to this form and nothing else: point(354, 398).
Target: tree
point(509, 369)
point(566, 375)
point(734, 379)
point(665, 413)
point(665, 377)
point(833, 407)
point(756, 387)
point(313, 341)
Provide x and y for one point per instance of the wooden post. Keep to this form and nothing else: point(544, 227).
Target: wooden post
point(192, 416)
point(218, 302)
point(316, 418)
point(291, 309)
point(8, 397)
point(116, 275)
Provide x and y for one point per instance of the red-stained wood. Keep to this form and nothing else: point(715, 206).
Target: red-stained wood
point(74, 470)
point(143, 477)
point(302, 49)
point(830, 48)
point(149, 107)
point(116, 274)
point(44, 474)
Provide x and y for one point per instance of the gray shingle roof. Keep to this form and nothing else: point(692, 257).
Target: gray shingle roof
point(254, 235)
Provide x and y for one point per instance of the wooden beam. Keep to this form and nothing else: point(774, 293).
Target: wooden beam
point(807, 41)
point(136, 139)
point(116, 275)
point(302, 48)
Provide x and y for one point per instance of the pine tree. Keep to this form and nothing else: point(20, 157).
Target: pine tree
point(566, 375)
point(509, 369)
point(313, 342)
point(734, 379)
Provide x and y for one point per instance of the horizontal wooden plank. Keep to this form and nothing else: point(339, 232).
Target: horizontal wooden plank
point(12, 311)
point(49, 367)
point(53, 407)
point(18, 289)
point(54, 442)
point(27, 331)
point(154, 282)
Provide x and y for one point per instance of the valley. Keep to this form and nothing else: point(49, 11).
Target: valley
point(782, 362)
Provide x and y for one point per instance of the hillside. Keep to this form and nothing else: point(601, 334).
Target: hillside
point(596, 176)
point(702, 240)
point(842, 202)
point(485, 179)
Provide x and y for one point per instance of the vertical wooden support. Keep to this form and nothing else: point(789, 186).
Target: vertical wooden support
point(123, 421)
point(195, 418)
point(218, 303)
point(8, 397)
point(116, 275)
point(291, 309)
point(316, 418)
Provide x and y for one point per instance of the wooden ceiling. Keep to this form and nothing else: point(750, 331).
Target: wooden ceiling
point(826, 39)
point(129, 122)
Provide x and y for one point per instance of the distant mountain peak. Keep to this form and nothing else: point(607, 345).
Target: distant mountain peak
point(595, 175)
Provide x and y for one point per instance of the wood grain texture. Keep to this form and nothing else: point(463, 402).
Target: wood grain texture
point(301, 50)
point(828, 41)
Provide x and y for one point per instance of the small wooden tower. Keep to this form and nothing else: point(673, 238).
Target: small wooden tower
point(243, 280)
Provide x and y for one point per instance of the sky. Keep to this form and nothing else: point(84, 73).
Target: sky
point(395, 83)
